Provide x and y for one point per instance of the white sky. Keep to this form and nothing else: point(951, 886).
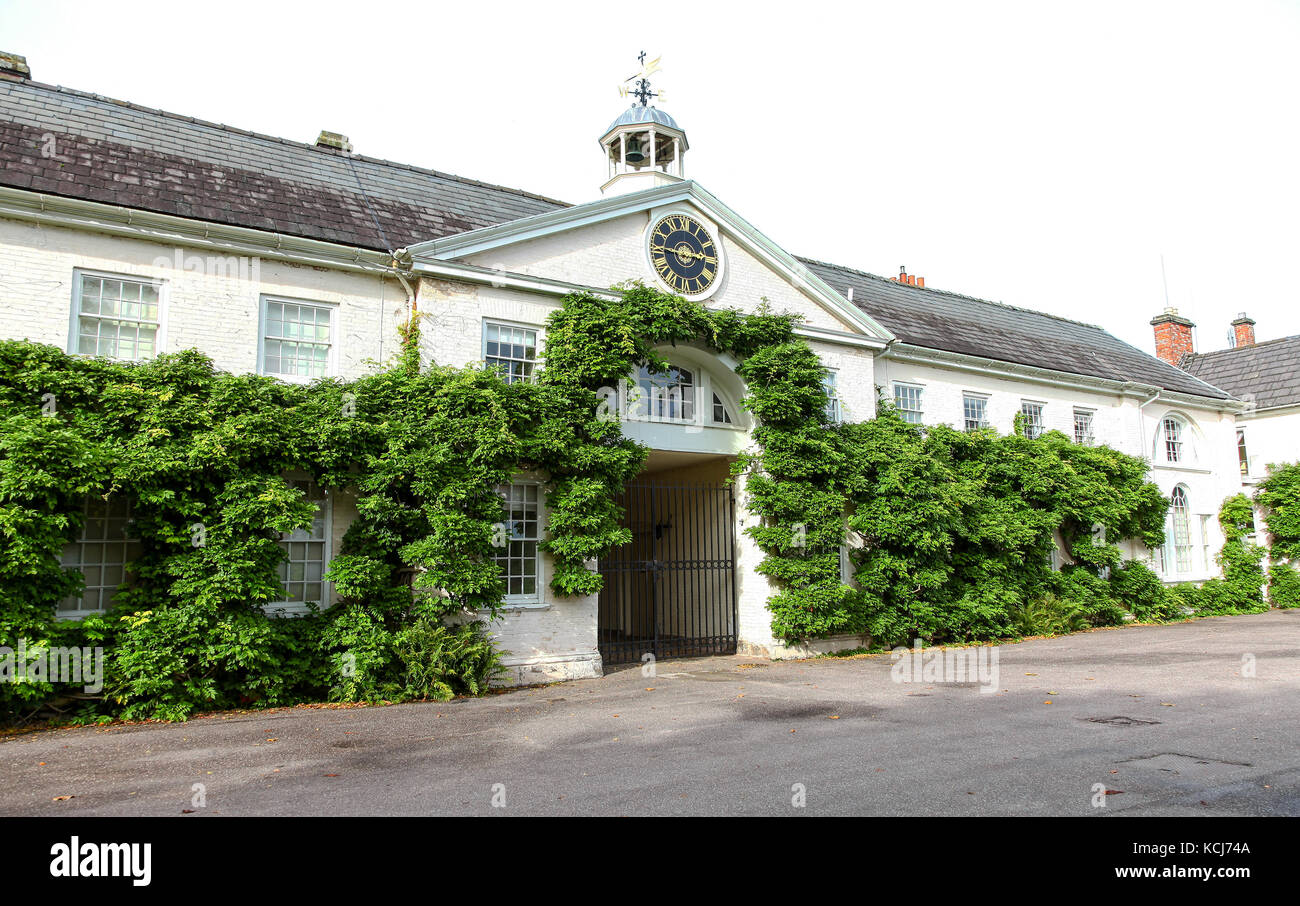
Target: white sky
point(1041, 154)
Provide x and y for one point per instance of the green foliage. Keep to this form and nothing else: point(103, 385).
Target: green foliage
point(1279, 499)
point(1140, 592)
point(1048, 615)
point(959, 528)
point(1283, 586)
point(1241, 588)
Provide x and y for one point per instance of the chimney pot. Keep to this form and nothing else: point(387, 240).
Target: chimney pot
point(335, 140)
point(920, 281)
point(14, 65)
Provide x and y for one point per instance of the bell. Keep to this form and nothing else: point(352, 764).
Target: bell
point(633, 153)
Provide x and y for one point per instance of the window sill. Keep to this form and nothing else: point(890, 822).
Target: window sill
point(522, 605)
point(1178, 467)
point(290, 609)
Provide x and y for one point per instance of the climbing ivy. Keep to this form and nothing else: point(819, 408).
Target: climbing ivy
point(1240, 590)
point(956, 530)
point(1279, 499)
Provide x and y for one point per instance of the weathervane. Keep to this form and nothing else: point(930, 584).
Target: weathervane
point(640, 87)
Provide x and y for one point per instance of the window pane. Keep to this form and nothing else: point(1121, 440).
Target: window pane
point(304, 566)
point(117, 318)
point(1032, 419)
point(308, 329)
point(908, 401)
point(669, 395)
point(518, 559)
point(1083, 426)
point(510, 350)
point(104, 565)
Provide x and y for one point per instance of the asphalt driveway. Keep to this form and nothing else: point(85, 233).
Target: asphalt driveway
point(1168, 719)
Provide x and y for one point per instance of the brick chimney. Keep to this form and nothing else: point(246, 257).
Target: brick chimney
point(1173, 336)
point(1243, 331)
point(13, 66)
point(333, 140)
point(909, 279)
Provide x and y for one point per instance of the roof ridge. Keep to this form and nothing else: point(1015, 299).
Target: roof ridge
point(1201, 355)
point(224, 127)
point(948, 292)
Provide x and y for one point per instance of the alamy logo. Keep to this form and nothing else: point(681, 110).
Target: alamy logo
point(946, 665)
point(103, 860)
point(42, 663)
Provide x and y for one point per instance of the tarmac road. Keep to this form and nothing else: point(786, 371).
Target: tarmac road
point(1162, 716)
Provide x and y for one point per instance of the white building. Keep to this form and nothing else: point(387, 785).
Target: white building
point(126, 232)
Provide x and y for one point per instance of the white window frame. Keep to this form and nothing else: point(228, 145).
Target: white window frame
point(834, 405)
point(1207, 559)
point(1243, 451)
point(906, 414)
point(1090, 439)
point(331, 359)
point(290, 608)
point(1042, 418)
point(538, 338)
point(1188, 452)
point(965, 418)
point(1177, 556)
point(74, 320)
point(80, 543)
point(538, 598)
point(718, 401)
point(700, 390)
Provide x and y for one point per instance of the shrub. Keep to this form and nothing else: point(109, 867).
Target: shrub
point(1283, 586)
point(1140, 592)
point(1048, 615)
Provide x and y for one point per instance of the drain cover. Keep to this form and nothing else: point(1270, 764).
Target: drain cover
point(1178, 763)
point(1121, 721)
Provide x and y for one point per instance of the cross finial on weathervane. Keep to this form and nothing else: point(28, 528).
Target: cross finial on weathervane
point(640, 88)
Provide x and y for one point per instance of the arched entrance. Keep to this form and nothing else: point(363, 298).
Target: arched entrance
point(671, 591)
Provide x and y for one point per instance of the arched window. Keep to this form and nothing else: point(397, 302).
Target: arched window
point(1178, 531)
point(721, 414)
point(668, 395)
point(1174, 444)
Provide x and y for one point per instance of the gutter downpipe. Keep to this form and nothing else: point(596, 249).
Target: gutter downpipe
point(401, 268)
point(1142, 425)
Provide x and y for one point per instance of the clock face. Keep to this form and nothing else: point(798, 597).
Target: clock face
point(684, 254)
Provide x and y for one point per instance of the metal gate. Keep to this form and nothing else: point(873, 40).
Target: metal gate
point(671, 591)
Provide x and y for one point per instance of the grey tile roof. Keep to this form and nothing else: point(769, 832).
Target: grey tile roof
point(942, 320)
point(1268, 373)
point(118, 153)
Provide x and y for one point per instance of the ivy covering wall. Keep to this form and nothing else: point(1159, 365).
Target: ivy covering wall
point(954, 531)
point(1279, 499)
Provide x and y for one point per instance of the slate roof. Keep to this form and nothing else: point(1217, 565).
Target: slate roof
point(1268, 373)
point(937, 319)
point(123, 154)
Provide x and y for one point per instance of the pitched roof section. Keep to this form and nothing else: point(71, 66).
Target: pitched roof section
point(1268, 373)
point(950, 322)
point(122, 154)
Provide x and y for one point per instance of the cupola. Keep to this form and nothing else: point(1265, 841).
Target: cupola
point(644, 147)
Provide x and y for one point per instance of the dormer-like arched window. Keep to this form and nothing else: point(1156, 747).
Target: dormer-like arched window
point(668, 395)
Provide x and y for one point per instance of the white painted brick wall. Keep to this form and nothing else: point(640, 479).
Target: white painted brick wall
point(213, 310)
